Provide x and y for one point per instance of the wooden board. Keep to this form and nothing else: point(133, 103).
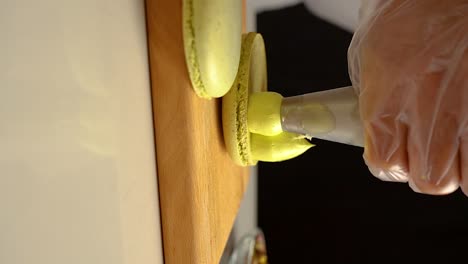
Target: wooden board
point(199, 186)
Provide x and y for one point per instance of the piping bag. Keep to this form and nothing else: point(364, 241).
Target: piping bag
point(331, 115)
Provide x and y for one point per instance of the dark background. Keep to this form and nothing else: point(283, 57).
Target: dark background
point(324, 206)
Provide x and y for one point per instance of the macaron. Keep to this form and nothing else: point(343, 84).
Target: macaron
point(212, 32)
point(251, 78)
point(251, 115)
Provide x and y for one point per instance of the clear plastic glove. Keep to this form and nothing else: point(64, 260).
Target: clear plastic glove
point(408, 62)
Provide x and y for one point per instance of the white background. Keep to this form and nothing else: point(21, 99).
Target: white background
point(77, 173)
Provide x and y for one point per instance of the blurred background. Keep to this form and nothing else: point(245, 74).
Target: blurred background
point(324, 206)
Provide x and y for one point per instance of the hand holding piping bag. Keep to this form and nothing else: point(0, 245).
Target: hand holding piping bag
point(408, 62)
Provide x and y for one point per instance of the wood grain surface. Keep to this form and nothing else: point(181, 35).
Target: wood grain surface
point(200, 187)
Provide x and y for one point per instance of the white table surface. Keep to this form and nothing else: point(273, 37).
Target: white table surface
point(77, 167)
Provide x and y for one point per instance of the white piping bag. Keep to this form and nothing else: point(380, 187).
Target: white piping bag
point(331, 115)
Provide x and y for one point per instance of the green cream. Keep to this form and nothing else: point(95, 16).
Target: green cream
point(277, 148)
point(268, 142)
point(264, 113)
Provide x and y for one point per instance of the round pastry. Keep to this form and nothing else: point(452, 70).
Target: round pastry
point(212, 33)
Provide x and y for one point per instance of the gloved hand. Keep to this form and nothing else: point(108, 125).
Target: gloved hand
point(408, 62)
